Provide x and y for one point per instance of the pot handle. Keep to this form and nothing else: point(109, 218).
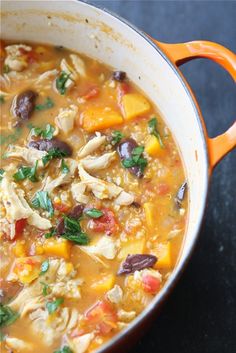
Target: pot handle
point(180, 53)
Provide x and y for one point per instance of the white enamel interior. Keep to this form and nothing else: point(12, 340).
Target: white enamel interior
point(115, 43)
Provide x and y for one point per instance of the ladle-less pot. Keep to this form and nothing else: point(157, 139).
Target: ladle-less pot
point(153, 66)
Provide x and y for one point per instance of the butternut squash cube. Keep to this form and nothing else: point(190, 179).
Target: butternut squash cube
point(134, 105)
point(132, 247)
point(153, 147)
point(95, 119)
point(105, 284)
point(163, 253)
point(27, 269)
point(57, 247)
point(150, 212)
point(19, 249)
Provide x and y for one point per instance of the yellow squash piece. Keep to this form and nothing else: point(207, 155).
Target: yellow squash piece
point(57, 247)
point(150, 213)
point(27, 269)
point(153, 147)
point(105, 284)
point(134, 105)
point(132, 247)
point(163, 253)
point(96, 119)
point(19, 249)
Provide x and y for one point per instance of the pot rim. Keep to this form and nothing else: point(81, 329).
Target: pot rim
point(176, 274)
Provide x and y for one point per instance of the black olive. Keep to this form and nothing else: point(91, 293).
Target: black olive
point(23, 105)
point(119, 76)
point(124, 150)
point(46, 145)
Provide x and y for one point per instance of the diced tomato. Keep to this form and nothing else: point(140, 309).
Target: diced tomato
point(61, 207)
point(163, 189)
point(93, 92)
point(151, 284)
point(102, 316)
point(107, 223)
point(20, 226)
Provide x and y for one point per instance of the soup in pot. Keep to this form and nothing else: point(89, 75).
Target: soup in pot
point(92, 201)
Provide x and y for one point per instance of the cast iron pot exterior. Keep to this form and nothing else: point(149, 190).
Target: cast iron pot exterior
point(154, 67)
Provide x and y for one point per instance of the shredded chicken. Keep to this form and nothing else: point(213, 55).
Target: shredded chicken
point(97, 163)
point(66, 118)
point(47, 74)
point(15, 60)
point(65, 67)
point(126, 316)
point(103, 189)
point(79, 64)
point(64, 178)
point(17, 207)
point(30, 155)
point(80, 344)
point(92, 145)
point(69, 290)
point(105, 247)
point(16, 344)
point(115, 295)
point(78, 190)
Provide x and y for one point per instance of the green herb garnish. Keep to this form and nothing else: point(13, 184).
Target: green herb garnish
point(47, 105)
point(53, 306)
point(42, 200)
point(7, 316)
point(50, 234)
point(64, 167)
point(52, 154)
point(153, 130)
point(65, 349)
point(46, 133)
point(45, 288)
point(93, 213)
point(2, 99)
point(2, 171)
point(26, 172)
point(73, 231)
point(2, 336)
point(61, 82)
point(136, 160)
point(116, 137)
point(44, 267)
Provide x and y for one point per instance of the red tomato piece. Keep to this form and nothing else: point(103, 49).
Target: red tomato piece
point(163, 189)
point(61, 207)
point(93, 92)
point(106, 223)
point(151, 284)
point(102, 316)
point(20, 226)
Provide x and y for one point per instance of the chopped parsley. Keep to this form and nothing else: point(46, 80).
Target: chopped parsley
point(42, 200)
point(50, 234)
point(65, 349)
point(44, 267)
point(153, 130)
point(2, 171)
point(46, 133)
point(7, 316)
point(45, 288)
point(52, 154)
point(2, 336)
point(6, 69)
point(136, 160)
point(26, 173)
point(73, 231)
point(47, 105)
point(64, 167)
point(53, 306)
point(93, 213)
point(2, 99)
point(61, 82)
point(116, 136)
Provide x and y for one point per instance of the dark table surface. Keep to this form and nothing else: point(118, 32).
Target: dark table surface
point(200, 315)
